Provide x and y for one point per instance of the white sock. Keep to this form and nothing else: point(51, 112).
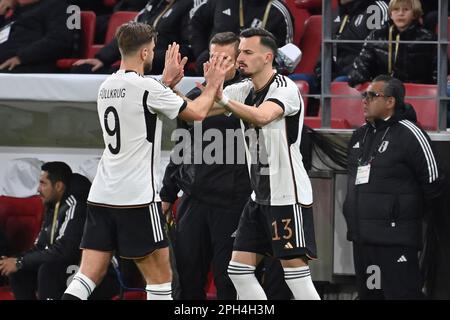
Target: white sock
point(161, 291)
point(81, 286)
point(245, 282)
point(300, 282)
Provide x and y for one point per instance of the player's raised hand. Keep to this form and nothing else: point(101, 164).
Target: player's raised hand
point(173, 65)
point(216, 69)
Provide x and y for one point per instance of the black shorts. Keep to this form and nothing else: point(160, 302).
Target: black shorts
point(285, 232)
point(132, 233)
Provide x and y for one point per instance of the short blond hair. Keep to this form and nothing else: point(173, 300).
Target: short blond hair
point(416, 6)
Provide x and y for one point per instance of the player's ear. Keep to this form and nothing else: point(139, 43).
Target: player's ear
point(269, 57)
point(144, 53)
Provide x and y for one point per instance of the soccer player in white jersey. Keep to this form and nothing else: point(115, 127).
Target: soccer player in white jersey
point(124, 210)
point(278, 219)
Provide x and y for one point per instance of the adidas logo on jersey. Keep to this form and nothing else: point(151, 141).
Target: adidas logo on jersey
point(227, 12)
point(356, 146)
point(288, 246)
point(402, 259)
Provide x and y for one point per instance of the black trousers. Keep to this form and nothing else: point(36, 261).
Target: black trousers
point(387, 272)
point(49, 282)
point(204, 237)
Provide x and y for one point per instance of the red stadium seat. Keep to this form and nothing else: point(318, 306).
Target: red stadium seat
point(21, 220)
point(117, 19)
point(303, 86)
point(6, 293)
point(88, 20)
point(426, 109)
point(210, 288)
point(348, 107)
point(110, 3)
point(300, 17)
point(309, 4)
point(310, 45)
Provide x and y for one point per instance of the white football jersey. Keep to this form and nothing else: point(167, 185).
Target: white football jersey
point(277, 174)
point(129, 108)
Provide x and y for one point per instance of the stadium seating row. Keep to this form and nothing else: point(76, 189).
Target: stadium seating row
point(346, 105)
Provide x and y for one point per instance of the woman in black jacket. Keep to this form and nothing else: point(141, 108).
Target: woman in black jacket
point(409, 62)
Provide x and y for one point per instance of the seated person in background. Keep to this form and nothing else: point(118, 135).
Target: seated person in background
point(214, 16)
point(170, 20)
point(34, 36)
point(47, 266)
point(354, 22)
point(412, 62)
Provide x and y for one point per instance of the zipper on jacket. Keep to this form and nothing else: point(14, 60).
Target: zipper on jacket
point(394, 213)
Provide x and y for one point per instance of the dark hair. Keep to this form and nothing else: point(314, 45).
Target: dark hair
point(132, 35)
point(392, 88)
point(58, 171)
point(225, 38)
point(267, 39)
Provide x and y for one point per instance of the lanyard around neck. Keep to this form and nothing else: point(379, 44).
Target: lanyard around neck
point(55, 217)
point(397, 39)
point(168, 6)
point(373, 152)
point(265, 17)
point(343, 23)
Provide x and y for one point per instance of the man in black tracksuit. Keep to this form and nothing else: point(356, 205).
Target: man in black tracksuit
point(393, 179)
point(213, 198)
point(214, 16)
point(37, 37)
point(169, 19)
point(48, 266)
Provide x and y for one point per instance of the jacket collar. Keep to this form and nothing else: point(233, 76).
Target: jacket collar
point(381, 123)
point(412, 27)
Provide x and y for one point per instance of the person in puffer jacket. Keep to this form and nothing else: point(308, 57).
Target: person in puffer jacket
point(409, 62)
point(394, 180)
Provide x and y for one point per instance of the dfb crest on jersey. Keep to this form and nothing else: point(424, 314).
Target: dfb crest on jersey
point(383, 146)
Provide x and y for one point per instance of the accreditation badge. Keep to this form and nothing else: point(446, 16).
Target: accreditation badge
point(362, 175)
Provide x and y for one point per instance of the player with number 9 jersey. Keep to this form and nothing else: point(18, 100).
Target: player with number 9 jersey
point(129, 109)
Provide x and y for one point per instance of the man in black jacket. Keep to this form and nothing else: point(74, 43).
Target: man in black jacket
point(55, 256)
point(214, 16)
point(170, 20)
point(393, 178)
point(35, 36)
